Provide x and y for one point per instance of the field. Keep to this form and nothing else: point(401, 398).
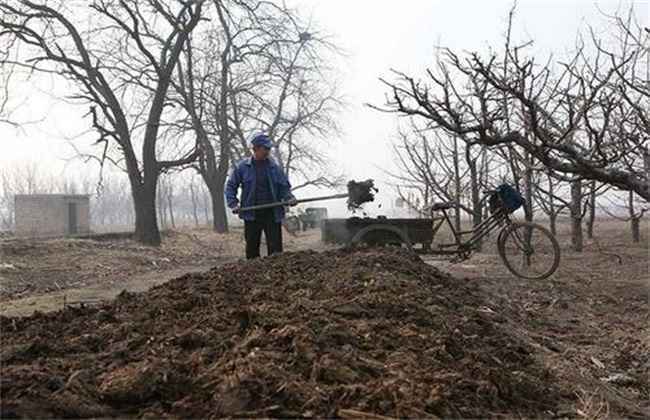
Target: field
point(583, 335)
point(590, 321)
point(44, 274)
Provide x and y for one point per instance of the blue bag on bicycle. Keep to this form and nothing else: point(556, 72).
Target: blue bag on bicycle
point(511, 200)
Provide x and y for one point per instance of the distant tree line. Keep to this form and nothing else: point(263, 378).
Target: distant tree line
point(182, 200)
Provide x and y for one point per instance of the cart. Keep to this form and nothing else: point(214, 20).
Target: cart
point(528, 250)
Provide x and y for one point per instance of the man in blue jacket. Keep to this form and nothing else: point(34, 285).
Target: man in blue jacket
point(262, 181)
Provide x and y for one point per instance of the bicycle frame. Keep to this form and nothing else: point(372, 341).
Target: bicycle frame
point(477, 234)
point(520, 244)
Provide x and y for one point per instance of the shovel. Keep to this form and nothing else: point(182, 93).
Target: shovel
point(358, 193)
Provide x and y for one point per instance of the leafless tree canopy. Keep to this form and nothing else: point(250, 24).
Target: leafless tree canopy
point(7, 70)
point(258, 67)
point(120, 56)
point(177, 84)
point(585, 118)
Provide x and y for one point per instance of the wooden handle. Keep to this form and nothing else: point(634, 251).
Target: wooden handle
point(286, 203)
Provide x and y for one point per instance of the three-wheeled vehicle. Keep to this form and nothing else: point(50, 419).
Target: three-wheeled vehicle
point(527, 249)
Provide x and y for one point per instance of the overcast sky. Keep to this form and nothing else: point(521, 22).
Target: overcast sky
point(377, 35)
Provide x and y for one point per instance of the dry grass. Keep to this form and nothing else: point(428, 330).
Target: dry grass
point(591, 405)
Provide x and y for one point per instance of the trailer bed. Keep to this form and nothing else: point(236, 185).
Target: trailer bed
point(341, 231)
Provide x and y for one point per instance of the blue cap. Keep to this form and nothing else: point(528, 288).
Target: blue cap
point(261, 139)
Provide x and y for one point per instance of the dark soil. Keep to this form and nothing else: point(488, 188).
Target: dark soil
point(360, 193)
point(340, 333)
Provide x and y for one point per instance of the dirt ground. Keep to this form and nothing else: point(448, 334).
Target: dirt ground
point(590, 321)
point(587, 326)
point(43, 275)
point(306, 334)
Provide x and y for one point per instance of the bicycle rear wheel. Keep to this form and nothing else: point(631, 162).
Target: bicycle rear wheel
point(529, 250)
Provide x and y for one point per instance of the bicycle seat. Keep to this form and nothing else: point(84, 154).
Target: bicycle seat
point(443, 206)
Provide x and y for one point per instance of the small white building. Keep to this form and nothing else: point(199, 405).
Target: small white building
point(50, 215)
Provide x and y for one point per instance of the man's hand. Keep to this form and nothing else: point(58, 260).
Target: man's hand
point(235, 210)
point(293, 201)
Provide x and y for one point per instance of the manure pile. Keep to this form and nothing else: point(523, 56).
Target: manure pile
point(341, 333)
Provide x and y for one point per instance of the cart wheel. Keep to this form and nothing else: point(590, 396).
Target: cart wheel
point(529, 250)
point(382, 235)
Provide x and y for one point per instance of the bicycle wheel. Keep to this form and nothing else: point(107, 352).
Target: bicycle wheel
point(529, 250)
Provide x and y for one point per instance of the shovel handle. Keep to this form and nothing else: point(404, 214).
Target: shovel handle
point(286, 203)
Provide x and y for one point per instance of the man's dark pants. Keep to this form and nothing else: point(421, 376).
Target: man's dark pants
point(264, 221)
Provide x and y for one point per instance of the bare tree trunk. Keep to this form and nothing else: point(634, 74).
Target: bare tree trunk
point(215, 180)
point(528, 194)
point(457, 185)
point(576, 215)
point(635, 220)
point(219, 218)
point(636, 229)
point(528, 189)
point(552, 211)
point(194, 204)
point(646, 166)
point(160, 206)
point(146, 225)
point(485, 182)
point(170, 207)
point(477, 211)
point(591, 216)
point(206, 207)
point(217, 187)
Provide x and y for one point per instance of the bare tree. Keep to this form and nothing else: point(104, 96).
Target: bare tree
point(549, 199)
point(552, 107)
point(627, 208)
point(194, 196)
point(23, 179)
point(167, 195)
point(573, 196)
point(635, 216)
point(204, 90)
point(6, 73)
point(298, 111)
point(416, 171)
point(436, 166)
point(576, 215)
point(630, 59)
point(265, 75)
point(591, 208)
point(122, 65)
point(111, 204)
